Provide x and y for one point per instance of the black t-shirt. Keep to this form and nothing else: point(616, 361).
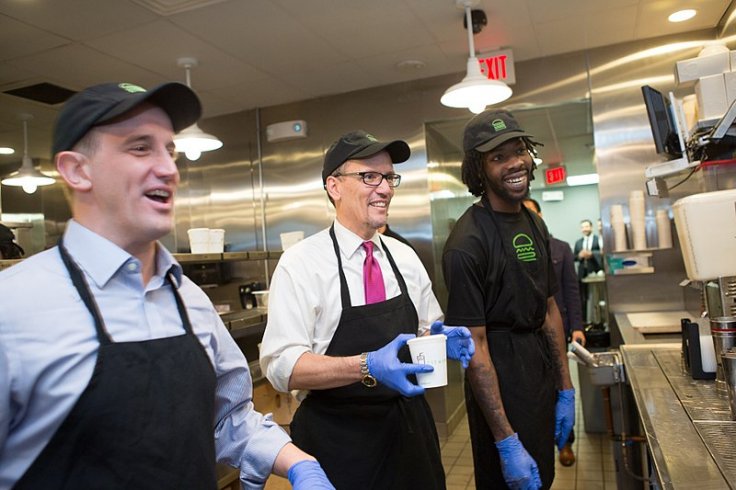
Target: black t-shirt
point(498, 272)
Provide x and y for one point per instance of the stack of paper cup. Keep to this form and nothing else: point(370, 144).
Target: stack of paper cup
point(199, 240)
point(637, 220)
point(618, 227)
point(217, 240)
point(664, 231)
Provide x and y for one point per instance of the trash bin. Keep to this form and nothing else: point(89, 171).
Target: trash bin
point(590, 395)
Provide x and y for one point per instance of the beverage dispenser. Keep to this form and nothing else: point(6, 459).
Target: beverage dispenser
point(706, 228)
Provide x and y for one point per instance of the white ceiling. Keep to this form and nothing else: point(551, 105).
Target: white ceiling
point(257, 53)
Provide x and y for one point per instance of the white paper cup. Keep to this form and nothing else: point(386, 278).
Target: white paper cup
point(199, 240)
point(261, 298)
point(430, 349)
point(217, 240)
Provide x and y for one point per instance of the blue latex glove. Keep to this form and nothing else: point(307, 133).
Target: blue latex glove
point(384, 365)
point(460, 345)
point(519, 469)
point(564, 416)
point(308, 474)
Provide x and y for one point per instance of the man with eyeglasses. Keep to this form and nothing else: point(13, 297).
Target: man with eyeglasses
point(343, 302)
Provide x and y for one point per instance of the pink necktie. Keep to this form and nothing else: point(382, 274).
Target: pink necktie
point(375, 291)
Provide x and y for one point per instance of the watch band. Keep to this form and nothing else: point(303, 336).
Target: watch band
point(366, 379)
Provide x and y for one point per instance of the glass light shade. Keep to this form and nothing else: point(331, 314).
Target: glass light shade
point(475, 91)
point(192, 141)
point(28, 177)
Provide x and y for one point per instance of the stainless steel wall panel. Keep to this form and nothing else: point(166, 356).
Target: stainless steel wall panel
point(624, 148)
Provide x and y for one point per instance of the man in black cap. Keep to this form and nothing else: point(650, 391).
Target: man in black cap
point(343, 302)
point(501, 283)
point(125, 377)
point(8, 248)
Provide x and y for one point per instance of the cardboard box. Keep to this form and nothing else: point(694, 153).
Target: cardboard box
point(711, 94)
point(694, 68)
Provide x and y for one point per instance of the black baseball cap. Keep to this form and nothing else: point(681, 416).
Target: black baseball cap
point(490, 129)
point(359, 144)
point(102, 103)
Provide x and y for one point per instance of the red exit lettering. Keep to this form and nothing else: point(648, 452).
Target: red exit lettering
point(494, 67)
point(554, 175)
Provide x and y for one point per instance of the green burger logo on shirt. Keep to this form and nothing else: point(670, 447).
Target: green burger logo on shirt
point(524, 246)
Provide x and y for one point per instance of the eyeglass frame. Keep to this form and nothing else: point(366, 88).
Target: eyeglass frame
point(363, 175)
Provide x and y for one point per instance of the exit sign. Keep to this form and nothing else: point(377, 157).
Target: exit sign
point(498, 65)
point(554, 175)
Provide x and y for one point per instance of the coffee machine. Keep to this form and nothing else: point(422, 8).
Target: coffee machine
point(706, 228)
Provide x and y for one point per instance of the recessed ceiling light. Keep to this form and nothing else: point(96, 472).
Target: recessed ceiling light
point(4, 150)
point(682, 15)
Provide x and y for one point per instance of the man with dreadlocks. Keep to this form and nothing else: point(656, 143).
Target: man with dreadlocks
point(501, 283)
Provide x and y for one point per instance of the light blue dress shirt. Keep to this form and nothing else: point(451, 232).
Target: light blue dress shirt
point(48, 349)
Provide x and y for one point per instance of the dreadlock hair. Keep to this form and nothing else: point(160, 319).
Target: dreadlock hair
point(472, 172)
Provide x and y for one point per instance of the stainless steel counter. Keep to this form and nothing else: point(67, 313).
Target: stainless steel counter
point(245, 322)
point(632, 336)
point(690, 436)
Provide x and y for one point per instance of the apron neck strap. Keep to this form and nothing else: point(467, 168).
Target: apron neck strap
point(80, 284)
point(344, 291)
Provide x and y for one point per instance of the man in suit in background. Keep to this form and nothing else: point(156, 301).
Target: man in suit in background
point(567, 298)
point(588, 256)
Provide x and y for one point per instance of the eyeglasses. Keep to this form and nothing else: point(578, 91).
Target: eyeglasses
point(374, 179)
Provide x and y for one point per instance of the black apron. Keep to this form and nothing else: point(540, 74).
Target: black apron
point(526, 375)
point(371, 438)
point(144, 421)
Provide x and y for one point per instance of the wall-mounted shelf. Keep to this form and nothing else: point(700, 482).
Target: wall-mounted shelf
point(227, 256)
point(198, 258)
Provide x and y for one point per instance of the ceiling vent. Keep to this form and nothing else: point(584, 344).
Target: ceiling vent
point(46, 93)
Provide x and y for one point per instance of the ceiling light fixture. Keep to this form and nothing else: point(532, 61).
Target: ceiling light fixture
point(27, 176)
point(475, 91)
point(682, 15)
point(192, 141)
point(6, 150)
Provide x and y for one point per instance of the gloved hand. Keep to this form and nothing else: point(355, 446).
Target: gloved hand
point(384, 365)
point(519, 469)
point(308, 474)
point(460, 345)
point(564, 416)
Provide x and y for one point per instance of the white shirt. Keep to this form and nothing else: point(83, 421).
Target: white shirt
point(304, 305)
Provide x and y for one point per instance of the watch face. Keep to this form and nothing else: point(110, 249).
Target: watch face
point(369, 381)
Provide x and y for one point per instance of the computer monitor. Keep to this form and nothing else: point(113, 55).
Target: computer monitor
point(661, 120)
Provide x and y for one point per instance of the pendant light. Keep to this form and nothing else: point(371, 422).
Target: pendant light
point(475, 91)
point(27, 176)
point(192, 141)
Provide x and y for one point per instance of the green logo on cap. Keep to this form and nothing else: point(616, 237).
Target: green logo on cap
point(498, 124)
point(371, 137)
point(132, 88)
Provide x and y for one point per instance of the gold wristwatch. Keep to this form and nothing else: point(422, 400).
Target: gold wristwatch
point(367, 379)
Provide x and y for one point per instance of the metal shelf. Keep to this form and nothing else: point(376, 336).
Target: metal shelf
point(227, 256)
